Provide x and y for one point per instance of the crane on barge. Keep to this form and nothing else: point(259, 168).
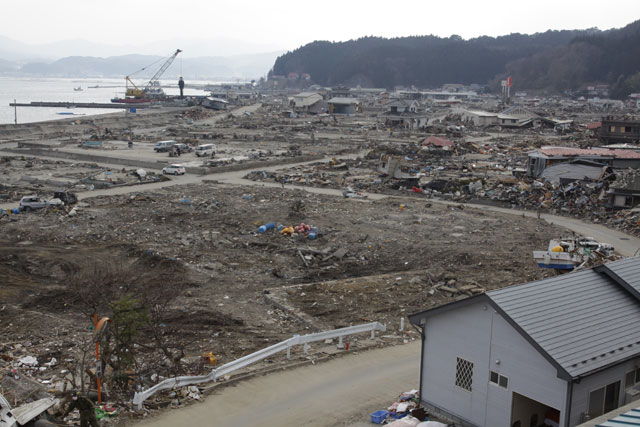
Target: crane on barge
point(151, 90)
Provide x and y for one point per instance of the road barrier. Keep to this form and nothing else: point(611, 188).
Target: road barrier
point(249, 359)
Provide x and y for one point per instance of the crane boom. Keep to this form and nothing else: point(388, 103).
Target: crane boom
point(145, 92)
point(162, 69)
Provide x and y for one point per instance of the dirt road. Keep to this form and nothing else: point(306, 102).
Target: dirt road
point(342, 391)
point(625, 245)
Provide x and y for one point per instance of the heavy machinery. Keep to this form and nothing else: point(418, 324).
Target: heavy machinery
point(152, 89)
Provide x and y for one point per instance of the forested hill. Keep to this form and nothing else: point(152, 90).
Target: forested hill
point(430, 61)
point(611, 57)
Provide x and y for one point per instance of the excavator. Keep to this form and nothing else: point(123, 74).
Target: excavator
point(151, 90)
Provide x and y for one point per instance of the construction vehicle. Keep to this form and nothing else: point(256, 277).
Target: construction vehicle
point(152, 89)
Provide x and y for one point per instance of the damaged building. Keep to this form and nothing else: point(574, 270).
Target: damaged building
point(619, 130)
point(624, 193)
point(341, 105)
point(540, 159)
point(404, 113)
point(308, 102)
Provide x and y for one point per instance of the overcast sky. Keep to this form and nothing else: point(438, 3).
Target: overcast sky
point(288, 24)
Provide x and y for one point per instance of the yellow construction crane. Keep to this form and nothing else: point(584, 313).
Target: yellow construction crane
point(152, 88)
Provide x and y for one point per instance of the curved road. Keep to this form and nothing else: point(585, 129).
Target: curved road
point(342, 391)
point(625, 245)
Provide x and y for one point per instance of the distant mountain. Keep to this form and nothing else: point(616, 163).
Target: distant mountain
point(8, 66)
point(421, 60)
point(240, 66)
point(611, 57)
point(218, 58)
point(553, 60)
point(14, 50)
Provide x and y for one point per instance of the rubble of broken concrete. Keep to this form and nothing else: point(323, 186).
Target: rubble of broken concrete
point(228, 289)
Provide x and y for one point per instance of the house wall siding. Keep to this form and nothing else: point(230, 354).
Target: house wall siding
point(480, 335)
point(581, 390)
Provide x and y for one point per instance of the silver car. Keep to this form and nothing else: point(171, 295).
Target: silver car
point(174, 170)
point(34, 202)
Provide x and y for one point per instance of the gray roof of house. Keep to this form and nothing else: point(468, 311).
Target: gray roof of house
point(343, 100)
point(626, 273)
point(572, 171)
point(581, 322)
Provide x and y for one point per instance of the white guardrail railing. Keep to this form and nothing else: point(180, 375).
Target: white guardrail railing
point(249, 359)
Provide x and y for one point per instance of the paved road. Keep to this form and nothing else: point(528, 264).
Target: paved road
point(342, 391)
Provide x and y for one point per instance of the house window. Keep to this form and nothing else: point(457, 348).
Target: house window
point(604, 399)
point(464, 374)
point(632, 378)
point(499, 380)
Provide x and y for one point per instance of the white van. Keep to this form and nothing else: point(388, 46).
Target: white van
point(205, 150)
point(162, 146)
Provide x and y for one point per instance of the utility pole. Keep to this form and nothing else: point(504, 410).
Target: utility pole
point(15, 112)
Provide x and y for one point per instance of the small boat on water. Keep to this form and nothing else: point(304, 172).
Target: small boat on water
point(567, 254)
point(78, 89)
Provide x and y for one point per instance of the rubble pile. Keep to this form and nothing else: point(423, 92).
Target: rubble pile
point(251, 265)
point(495, 177)
point(213, 234)
point(406, 412)
point(333, 174)
point(196, 113)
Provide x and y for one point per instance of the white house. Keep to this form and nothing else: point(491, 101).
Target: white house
point(559, 350)
point(398, 106)
point(304, 101)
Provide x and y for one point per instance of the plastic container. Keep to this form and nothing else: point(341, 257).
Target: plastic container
point(378, 417)
point(269, 226)
point(311, 235)
point(398, 416)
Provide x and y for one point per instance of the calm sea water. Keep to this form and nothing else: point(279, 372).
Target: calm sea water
point(25, 90)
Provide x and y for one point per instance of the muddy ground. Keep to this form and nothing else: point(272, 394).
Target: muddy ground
point(373, 261)
point(195, 251)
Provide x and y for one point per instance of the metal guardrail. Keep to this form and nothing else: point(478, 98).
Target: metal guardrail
point(249, 359)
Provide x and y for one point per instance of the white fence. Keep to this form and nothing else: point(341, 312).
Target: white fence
point(249, 359)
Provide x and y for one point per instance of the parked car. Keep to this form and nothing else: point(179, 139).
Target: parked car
point(205, 150)
point(34, 202)
point(174, 170)
point(184, 148)
point(163, 146)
